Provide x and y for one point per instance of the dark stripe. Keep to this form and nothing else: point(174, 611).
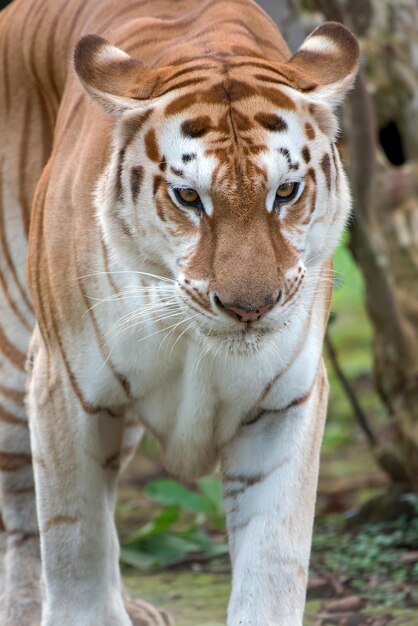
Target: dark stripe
point(15, 395)
point(5, 287)
point(21, 491)
point(311, 173)
point(270, 121)
point(260, 65)
point(193, 68)
point(134, 125)
point(20, 536)
point(160, 210)
point(119, 187)
point(5, 76)
point(277, 97)
point(326, 168)
point(106, 266)
point(294, 403)
point(9, 260)
point(86, 406)
point(15, 356)
point(249, 481)
point(69, 120)
point(137, 176)
point(73, 26)
point(309, 130)
point(156, 184)
point(112, 462)
point(113, 17)
point(186, 158)
point(151, 146)
point(186, 83)
point(196, 127)
point(334, 153)
point(306, 154)
point(58, 520)
point(34, 260)
point(285, 152)
point(12, 462)
point(50, 54)
point(23, 157)
point(123, 224)
point(163, 164)
point(197, 298)
point(270, 79)
point(102, 346)
point(9, 418)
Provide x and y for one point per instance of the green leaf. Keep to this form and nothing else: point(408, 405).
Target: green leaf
point(135, 558)
point(211, 488)
point(204, 543)
point(163, 520)
point(170, 492)
point(158, 551)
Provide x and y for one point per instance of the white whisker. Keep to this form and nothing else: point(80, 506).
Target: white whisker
point(137, 323)
point(163, 329)
point(134, 272)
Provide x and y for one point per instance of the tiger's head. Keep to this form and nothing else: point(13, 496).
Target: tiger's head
point(224, 175)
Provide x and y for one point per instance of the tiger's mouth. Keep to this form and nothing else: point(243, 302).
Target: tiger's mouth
point(246, 340)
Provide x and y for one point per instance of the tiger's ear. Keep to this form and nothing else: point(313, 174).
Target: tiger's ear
point(326, 64)
point(117, 81)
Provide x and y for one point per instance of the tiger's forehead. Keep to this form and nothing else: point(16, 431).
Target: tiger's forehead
point(235, 128)
point(242, 142)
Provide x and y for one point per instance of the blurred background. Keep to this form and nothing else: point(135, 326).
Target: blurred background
point(364, 566)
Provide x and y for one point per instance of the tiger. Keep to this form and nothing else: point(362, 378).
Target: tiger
point(171, 198)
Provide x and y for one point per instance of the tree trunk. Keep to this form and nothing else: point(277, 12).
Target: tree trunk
point(381, 132)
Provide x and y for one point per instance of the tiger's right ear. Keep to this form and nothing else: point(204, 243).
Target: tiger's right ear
point(326, 64)
point(117, 81)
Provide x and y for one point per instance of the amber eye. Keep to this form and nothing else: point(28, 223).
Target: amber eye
point(287, 191)
point(188, 197)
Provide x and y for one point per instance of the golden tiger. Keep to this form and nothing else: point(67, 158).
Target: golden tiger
point(182, 195)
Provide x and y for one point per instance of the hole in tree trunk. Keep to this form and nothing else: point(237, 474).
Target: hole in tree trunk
point(391, 142)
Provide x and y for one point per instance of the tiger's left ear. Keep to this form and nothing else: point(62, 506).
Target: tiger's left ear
point(113, 78)
point(326, 64)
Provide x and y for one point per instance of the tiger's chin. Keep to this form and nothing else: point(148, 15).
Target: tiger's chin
point(243, 342)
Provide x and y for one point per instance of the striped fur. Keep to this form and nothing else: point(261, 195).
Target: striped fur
point(202, 323)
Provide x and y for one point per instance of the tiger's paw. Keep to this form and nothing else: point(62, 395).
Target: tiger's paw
point(143, 614)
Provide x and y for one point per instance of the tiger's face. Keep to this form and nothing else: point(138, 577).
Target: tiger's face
point(233, 187)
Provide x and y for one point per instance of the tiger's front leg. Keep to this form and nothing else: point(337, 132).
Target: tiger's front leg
point(270, 475)
point(73, 446)
point(76, 452)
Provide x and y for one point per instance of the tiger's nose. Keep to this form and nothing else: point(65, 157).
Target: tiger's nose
point(248, 313)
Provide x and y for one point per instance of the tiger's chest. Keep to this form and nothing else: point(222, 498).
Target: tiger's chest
point(194, 401)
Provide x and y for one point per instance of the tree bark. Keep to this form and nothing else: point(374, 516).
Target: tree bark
point(384, 233)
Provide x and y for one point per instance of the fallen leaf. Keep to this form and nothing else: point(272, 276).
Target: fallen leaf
point(349, 603)
point(409, 557)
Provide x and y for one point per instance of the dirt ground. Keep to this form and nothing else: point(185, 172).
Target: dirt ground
point(200, 599)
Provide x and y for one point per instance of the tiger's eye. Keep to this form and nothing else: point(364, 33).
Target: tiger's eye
point(287, 191)
point(187, 196)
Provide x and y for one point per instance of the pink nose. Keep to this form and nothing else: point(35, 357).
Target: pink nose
point(249, 313)
point(245, 315)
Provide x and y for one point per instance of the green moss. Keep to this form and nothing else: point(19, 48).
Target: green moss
point(193, 598)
